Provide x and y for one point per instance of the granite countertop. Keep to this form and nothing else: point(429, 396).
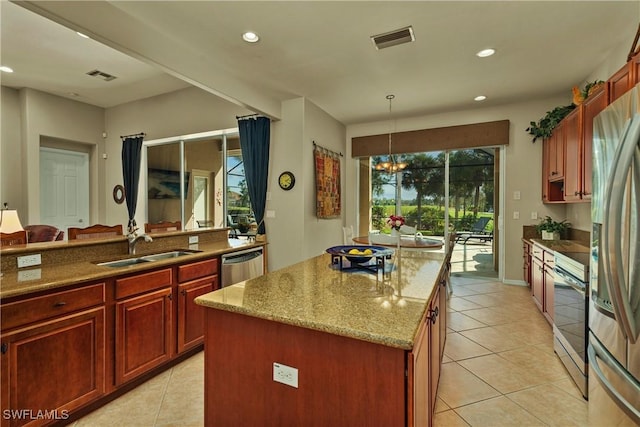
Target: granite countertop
point(50, 276)
point(380, 308)
point(563, 245)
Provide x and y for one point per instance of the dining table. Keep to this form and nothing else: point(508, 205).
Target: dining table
point(407, 242)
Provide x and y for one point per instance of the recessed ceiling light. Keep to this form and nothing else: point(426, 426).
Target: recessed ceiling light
point(82, 35)
point(250, 37)
point(485, 52)
point(6, 69)
point(480, 98)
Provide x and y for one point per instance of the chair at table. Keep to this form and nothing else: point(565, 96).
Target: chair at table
point(477, 232)
point(43, 233)
point(17, 238)
point(163, 226)
point(94, 231)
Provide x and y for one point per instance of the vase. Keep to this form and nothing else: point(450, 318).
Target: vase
point(395, 233)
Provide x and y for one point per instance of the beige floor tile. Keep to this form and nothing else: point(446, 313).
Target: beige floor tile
point(488, 316)
point(504, 376)
point(493, 340)
point(137, 408)
point(498, 411)
point(448, 419)
point(461, 290)
point(441, 406)
point(460, 304)
point(457, 321)
point(459, 347)
point(546, 365)
point(552, 405)
point(568, 386)
point(459, 387)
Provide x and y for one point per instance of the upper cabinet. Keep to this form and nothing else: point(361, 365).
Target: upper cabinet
point(567, 158)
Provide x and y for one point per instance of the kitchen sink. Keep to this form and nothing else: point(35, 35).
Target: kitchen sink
point(147, 258)
point(124, 262)
point(166, 255)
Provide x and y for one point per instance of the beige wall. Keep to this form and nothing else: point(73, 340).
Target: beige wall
point(11, 191)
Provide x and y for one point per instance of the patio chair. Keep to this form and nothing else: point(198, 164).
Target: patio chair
point(477, 232)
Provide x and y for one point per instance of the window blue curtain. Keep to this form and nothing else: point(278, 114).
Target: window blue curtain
point(254, 143)
point(131, 154)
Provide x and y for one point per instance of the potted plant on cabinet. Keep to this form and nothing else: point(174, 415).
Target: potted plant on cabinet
point(552, 230)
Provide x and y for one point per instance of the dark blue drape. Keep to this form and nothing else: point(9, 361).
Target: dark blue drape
point(254, 142)
point(131, 153)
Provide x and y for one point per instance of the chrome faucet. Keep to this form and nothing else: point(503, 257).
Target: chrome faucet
point(134, 239)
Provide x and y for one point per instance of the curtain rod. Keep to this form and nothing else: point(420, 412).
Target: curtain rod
point(326, 149)
point(135, 134)
point(249, 116)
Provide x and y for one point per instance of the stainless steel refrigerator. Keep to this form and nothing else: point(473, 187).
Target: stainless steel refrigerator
point(614, 306)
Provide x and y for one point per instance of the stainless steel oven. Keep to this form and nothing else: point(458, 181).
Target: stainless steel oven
point(570, 316)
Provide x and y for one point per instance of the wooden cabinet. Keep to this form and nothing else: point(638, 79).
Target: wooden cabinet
point(542, 265)
point(526, 262)
point(196, 279)
point(555, 167)
point(591, 107)
point(419, 384)
point(551, 185)
point(620, 82)
point(68, 328)
point(573, 168)
point(434, 348)
point(144, 312)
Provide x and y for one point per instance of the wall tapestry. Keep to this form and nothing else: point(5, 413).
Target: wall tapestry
point(327, 182)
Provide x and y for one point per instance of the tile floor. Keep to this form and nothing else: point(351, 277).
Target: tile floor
point(499, 370)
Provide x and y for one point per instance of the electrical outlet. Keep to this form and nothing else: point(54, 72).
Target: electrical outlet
point(285, 374)
point(516, 215)
point(26, 275)
point(193, 240)
point(534, 215)
point(516, 195)
point(29, 260)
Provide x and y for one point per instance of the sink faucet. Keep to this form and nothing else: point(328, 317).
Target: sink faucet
point(134, 239)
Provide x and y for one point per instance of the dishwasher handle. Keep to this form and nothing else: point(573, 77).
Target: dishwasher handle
point(238, 258)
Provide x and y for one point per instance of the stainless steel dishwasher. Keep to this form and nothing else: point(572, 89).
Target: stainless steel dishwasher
point(242, 265)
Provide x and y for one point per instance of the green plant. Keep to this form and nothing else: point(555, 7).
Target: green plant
point(551, 226)
point(545, 126)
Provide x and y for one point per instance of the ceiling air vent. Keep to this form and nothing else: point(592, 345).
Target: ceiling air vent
point(101, 75)
point(392, 38)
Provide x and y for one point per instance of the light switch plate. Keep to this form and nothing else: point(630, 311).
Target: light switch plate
point(516, 215)
point(193, 240)
point(29, 260)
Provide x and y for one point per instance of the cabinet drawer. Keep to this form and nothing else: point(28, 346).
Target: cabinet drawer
point(537, 252)
point(197, 269)
point(39, 308)
point(143, 283)
point(549, 259)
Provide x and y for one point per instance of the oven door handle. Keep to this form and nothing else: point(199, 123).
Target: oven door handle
point(578, 286)
point(597, 352)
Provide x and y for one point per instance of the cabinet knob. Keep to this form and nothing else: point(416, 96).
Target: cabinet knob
point(60, 304)
point(4, 347)
point(170, 296)
point(183, 292)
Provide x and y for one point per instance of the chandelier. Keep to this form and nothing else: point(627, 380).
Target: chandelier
point(391, 165)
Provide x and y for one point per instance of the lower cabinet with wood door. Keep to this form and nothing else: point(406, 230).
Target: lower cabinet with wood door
point(144, 308)
point(53, 354)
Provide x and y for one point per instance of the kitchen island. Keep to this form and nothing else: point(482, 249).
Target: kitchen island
point(365, 347)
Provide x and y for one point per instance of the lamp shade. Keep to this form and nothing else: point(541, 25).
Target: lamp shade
point(9, 221)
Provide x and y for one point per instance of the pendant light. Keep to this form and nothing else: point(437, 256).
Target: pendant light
point(391, 165)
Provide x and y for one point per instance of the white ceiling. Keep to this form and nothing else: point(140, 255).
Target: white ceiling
point(321, 50)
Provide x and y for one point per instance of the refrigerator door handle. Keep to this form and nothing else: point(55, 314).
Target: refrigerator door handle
point(612, 230)
point(596, 352)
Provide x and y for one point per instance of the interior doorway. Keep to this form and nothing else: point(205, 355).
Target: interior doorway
point(64, 188)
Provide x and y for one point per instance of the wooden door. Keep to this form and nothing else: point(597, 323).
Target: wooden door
point(143, 333)
point(573, 167)
point(191, 317)
point(419, 385)
point(73, 375)
point(434, 350)
point(537, 282)
point(620, 82)
point(591, 108)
